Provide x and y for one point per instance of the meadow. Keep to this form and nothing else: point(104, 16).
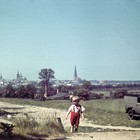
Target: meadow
point(102, 112)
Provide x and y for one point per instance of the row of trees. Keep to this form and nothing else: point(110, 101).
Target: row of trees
point(21, 92)
point(85, 91)
point(32, 92)
point(29, 91)
point(111, 86)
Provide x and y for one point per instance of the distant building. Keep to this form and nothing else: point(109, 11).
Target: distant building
point(20, 80)
point(77, 80)
point(18, 77)
point(1, 77)
point(75, 73)
point(1, 80)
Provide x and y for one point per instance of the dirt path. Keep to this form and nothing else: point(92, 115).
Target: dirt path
point(41, 113)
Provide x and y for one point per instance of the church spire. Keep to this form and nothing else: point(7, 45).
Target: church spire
point(18, 75)
point(75, 73)
point(1, 77)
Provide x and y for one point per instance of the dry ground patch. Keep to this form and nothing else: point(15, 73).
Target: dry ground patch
point(42, 113)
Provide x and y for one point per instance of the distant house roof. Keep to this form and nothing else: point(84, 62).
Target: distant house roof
point(59, 95)
point(133, 94)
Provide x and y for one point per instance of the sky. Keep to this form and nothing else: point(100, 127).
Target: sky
point(100, 37)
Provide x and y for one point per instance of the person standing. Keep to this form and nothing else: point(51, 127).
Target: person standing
point(76, 111)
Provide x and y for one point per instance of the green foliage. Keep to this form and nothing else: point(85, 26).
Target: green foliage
point(83, 93)
point(10, 90)
point(27, 126)
point(65, 88)
point(108, 112)
point(96, 95)
point(7, 91)
point(118, 93)
point(87, 85)
point(21, 92)
point(45, 75)
point(102, 112)
point(2, 92)
point(31, 91)
point(6, 129)
point(86, 94)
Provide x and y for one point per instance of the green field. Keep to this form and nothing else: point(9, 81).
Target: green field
point(103, 112)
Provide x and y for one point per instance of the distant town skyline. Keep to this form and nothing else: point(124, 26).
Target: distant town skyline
point(100, 37)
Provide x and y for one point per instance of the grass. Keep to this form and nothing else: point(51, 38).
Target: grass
point(28, 125)
point(61, 104)
point(109, 112)
point(92, 129)
point(28, 128)
point(102, 112)
point(105, 92)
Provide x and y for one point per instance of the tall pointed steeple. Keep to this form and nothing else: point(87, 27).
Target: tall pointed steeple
point(18, 75)
point(1, 77)
point(75, 73)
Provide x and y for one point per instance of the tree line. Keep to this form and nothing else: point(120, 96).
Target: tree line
point(46, 89)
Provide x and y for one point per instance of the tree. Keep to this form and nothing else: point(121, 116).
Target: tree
point(21, 92)
point(87, 85)
point(8, 91)
point(118, 93)
point(82, 93)
point(31, 91)
point(45, 75)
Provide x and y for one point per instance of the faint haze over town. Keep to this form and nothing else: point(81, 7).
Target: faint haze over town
point(100, 37)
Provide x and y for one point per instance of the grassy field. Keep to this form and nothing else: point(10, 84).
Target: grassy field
point(109, 112)
point(103, 112)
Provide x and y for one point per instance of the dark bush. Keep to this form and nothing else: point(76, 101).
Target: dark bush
point(30, 91)
point(118, 93)
point(21, 92)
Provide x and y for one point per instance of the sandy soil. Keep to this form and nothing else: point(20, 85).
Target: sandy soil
point(42, 113)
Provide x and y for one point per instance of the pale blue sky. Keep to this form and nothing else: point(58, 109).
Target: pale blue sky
point(100, 37)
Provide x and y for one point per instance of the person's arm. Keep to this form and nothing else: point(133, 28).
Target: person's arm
point(68, 112)
point(82, 112)
point(81, 115)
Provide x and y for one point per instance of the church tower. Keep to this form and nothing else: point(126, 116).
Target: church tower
point(1, 77)
point(18, 75)
point(75, 73)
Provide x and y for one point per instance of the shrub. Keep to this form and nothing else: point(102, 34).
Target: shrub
point(31, 91)
point(21, 92)
point(7, 91)
point(118, 93)
point(29, 126)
